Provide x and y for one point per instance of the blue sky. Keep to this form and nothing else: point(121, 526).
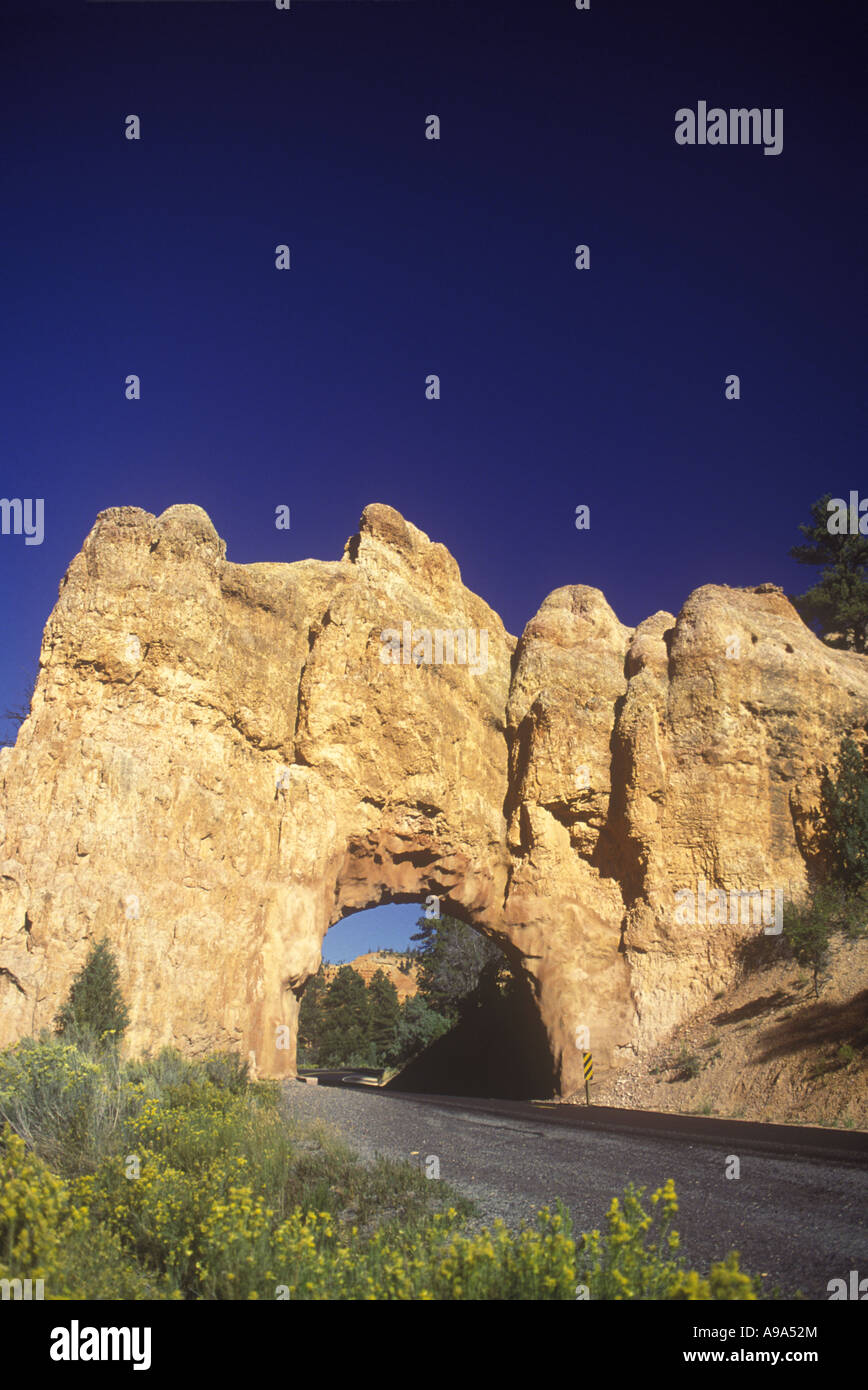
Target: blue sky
point(390, 925)
point(306, 387)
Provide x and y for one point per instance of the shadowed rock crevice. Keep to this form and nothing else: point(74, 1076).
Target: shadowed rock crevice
point(13, 979)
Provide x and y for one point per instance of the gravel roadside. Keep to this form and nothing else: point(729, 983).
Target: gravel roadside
point(797, 1222)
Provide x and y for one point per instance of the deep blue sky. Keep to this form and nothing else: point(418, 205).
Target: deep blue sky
point(410, 256)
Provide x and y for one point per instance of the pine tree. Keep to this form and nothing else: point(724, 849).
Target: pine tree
point(345, 1040)
point(844, 817)
point(457, 965)
point(310, 1019)
point(838, 602)
point(95, 1011)
point(385, 1016)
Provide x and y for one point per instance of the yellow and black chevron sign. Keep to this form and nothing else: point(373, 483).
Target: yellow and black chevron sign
point(589, 1066)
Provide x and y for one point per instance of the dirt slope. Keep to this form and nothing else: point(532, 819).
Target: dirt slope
point(768, 1050)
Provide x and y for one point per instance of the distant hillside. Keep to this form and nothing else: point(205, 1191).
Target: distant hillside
point(390, 964)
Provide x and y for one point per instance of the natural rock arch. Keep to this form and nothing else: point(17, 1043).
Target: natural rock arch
point(218, 764)
point(521, 1062)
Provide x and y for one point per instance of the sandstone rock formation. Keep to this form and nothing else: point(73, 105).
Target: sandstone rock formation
point(218, 765)
point(389, 963)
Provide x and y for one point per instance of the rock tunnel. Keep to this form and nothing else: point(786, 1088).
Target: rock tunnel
point(222, 760)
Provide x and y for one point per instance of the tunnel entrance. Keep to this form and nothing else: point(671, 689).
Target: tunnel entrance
point(423, 1003)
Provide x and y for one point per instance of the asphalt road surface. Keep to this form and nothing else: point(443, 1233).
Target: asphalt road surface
point(797, 1221)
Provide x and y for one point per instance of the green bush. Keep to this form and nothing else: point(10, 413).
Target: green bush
point(95, 1012)
point(153, 1075)
point(840, 901)
point(419, 1027)
point(64, 1104)
point(688, 1063)
point(806, 931)
point(228, 1070)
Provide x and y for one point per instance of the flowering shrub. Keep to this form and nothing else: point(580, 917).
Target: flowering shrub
point(46, 1233)
point(202, 1190)
point(36, 1214)
point(636, 1258)
point(437, 1261)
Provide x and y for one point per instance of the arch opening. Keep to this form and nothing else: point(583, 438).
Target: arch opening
point(420, 999)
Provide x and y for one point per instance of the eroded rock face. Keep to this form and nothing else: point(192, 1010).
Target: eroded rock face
point(219, 764)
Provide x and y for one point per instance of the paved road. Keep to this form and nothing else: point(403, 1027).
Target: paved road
point(798, 1221)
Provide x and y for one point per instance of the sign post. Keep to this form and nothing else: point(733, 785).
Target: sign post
point(589, 1074)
